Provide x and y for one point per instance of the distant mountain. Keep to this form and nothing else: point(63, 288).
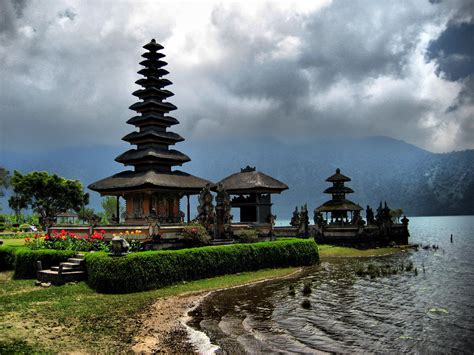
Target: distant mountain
point(381, 168)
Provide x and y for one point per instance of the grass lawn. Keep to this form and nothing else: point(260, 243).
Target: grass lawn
point(76, 318)
point(13, 242)
point(326, 250)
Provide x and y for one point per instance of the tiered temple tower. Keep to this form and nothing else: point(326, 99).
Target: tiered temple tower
point(153, 188)
point(338, 206)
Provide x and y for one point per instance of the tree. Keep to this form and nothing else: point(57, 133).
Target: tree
point(86, 214)
point(47, 194)
point(109, 205)
point(17, 203)
point(4, 180)
point(396, 214)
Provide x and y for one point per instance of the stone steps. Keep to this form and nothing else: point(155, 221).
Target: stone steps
point(68, 271)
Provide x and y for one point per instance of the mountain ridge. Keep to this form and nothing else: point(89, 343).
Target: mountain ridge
point(381, 168)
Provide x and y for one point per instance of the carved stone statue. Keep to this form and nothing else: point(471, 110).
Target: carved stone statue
point(153, 225)
point(405, 220)
point(295, 219)
point(369, 214)
point(304, 222)
point(319, 219)
point(223, 216)
point(206, 213)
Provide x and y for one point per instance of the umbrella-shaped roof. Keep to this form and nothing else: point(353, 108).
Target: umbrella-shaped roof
point(150, 180)
point(249, 180)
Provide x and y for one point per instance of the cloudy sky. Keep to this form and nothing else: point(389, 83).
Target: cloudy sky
point(290, 71)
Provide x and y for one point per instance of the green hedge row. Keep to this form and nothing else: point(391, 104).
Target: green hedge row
point(7, 258)
point(24, 260)
point(154, 269)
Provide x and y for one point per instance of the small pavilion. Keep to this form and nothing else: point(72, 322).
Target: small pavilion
point(152, 188)
point(252, 191)
point(339, 206)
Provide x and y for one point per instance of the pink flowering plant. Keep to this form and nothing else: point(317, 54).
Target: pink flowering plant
point(68, 241)
point(195, 234)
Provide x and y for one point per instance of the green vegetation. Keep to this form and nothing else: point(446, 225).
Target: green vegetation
point(24, 260)
point(76, 318)
point(4, 180)
point(47, 195)
point(248, 236)
point(326, 250)
point(195, 235)
point(155, 269)
point(16, 239)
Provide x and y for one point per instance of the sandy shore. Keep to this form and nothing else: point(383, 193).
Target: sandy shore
point(161, 328)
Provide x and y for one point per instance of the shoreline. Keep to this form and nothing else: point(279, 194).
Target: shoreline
point(171, 334)
point(163, 325)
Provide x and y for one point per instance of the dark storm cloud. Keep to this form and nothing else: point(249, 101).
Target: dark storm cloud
point(10, 11)
point(454, 51)
point(348, 68)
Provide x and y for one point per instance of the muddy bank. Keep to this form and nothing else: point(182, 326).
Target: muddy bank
point(162, 329)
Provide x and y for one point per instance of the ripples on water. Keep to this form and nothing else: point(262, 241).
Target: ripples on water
point(431, 312)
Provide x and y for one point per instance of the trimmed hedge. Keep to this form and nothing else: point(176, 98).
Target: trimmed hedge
point(154, 269)
point(25, 260)
point(7, 257)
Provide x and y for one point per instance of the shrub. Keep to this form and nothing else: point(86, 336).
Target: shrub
point(306, 304)
point(7, 257)
point(195, 235)
point(2, 227)
point(154, 269)
point(26, 260)
point(248, 236)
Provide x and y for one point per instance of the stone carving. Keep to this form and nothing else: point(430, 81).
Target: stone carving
point(405, 221)
point(295, 219)
point(223, 216)
point(120, 247)
point(153, 224)
point(318, 219)
point(369, 214)
point(206, 214)
point(304, 221)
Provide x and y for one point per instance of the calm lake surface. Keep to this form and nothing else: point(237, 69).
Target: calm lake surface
point(428, 312)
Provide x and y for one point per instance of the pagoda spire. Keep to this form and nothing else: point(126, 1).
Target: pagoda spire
point(338, 190)
point(152, 138)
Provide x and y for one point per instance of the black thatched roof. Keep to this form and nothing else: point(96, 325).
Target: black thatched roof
point(338, 205)
point(153, 135)
point(338, 190)
point(153, 119)
point(133, 180)
point(152, 156)
point(249, 180)
point(337, 177)
point(153, 46)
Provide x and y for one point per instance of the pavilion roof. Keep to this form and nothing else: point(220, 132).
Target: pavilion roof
point(150, 180)
point(249, 180)
point(338, 205)
point(338, 177)
point(338, 190)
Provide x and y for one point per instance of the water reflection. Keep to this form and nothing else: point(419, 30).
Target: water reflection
point(430, 311)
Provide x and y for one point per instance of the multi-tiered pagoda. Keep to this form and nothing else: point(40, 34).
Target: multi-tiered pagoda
point(338, 206)
point(152, 188)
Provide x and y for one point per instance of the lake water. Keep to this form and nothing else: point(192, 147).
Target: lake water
point(428, 312)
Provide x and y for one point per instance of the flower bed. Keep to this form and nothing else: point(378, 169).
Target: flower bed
point(68, 241)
